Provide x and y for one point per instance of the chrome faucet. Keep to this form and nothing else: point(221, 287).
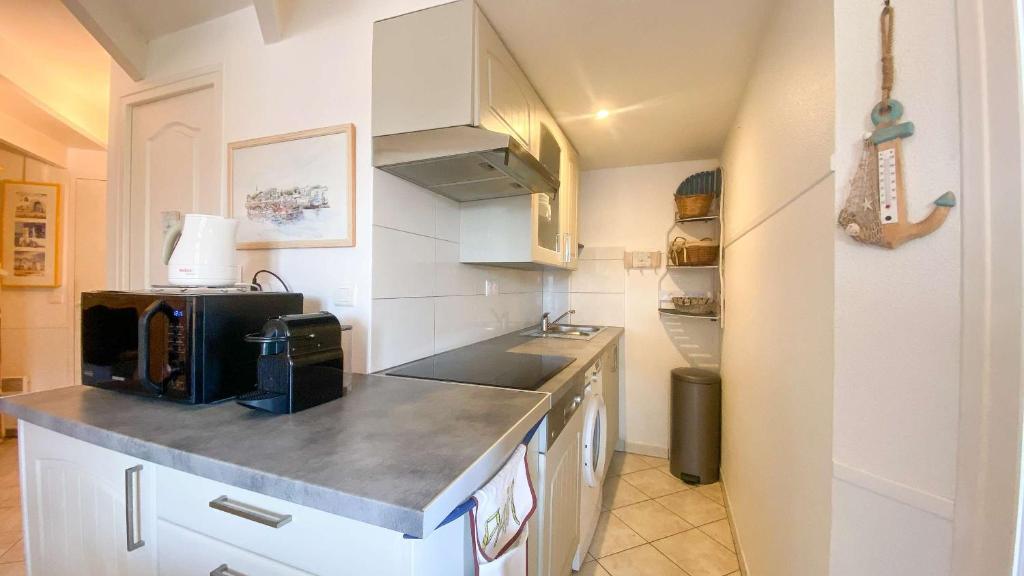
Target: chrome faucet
point(545, 323)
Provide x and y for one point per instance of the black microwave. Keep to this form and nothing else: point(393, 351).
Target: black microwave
point(187, 346)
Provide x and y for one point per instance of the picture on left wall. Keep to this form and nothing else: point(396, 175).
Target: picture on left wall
point(31, 233)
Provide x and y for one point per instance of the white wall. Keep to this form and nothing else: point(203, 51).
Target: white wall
point(424, 300)
point(37, 338)
point(897, 312)
point(627, 209)
point(318, 75)
point(778, 271)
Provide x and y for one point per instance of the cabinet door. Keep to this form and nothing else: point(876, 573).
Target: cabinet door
point(562, 498)
point(81, 501)
point(569, 200)
point(506, 96)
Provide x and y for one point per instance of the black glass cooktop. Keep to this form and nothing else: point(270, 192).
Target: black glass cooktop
point(487, 368)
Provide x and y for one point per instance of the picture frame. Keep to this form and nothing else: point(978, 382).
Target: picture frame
point(30, 222)
point(294, 190)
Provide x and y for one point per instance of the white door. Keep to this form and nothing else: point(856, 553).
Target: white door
point(90, 246)
point(81, 502)
point(175, 167)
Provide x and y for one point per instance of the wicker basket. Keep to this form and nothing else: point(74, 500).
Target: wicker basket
point(688, 253)
point(693, 205)
point(694, 304)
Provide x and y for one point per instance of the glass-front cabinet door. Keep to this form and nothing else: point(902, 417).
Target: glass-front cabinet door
point(547, 224)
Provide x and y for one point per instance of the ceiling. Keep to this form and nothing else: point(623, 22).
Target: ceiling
point(155, 18)
point(670, 72)
point(54, 76)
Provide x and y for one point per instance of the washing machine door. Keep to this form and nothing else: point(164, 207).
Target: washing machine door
point(595, 438)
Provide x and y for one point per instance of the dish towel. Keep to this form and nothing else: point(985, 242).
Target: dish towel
point(499, 520)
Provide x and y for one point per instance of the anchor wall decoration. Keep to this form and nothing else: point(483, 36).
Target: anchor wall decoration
point(876, 208)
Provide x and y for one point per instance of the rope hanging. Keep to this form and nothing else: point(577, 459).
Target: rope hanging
point(888, 66)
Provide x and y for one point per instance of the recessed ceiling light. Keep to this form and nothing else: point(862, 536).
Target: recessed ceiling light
point(602, 114)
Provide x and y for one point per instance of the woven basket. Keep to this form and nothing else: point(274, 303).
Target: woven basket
point(693, 205)
point(694, 304)
point(688, 253)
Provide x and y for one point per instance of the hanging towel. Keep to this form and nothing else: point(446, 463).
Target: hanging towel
point(499, 520)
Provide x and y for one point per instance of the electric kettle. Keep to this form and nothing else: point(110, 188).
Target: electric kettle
point(200, 251)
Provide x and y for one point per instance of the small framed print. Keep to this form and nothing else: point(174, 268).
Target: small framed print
point(294, 190)
point(31, 233)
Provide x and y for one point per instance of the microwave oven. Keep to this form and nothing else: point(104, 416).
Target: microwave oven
point(183, 345)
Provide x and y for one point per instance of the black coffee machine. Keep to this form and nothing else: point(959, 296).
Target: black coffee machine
point(300, 364)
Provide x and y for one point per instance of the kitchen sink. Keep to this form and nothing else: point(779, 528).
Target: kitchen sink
point(570, 331)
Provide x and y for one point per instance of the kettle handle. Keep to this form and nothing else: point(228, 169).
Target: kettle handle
point(171, 237)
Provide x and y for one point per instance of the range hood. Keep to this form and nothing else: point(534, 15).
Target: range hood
point(464, 163)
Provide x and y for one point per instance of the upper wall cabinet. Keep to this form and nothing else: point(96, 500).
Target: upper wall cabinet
point(453, 112)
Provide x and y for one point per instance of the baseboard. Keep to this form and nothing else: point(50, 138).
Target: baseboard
point(744, 570)
point(646, 449)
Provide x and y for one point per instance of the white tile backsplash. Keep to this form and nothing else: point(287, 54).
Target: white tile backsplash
point(601, 309)
point(608, 276)
point(556, 280)
point(447, 221)
point(403, 264)
point(402, 205)
point(603, 253)
point(403, 331)
point(451, 277)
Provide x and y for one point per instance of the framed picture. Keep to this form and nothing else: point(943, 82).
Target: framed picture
point(31, 233)
point(294, 190)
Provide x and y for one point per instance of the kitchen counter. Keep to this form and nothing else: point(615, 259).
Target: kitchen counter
point(584, 352)
point(397, 453)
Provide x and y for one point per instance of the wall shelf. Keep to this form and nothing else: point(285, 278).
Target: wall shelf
point(696, 219)
point(706, 267)
point(674, 312)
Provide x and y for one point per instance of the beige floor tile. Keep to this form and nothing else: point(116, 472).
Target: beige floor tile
point(16, 569)
point(618, 493)
point(651, 520)
point(15, 553)
point(640, 561)
point(712, 491)
point(654, 461)
point(720, 532)
point(655, 483)
point(697, 554)
point(611, 536)
point(693, 507)
point(624, 463)
point(592, 568)
point(10, 519)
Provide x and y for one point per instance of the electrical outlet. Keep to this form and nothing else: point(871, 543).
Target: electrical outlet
point(490, 288)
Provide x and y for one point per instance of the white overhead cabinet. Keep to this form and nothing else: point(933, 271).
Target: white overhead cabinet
point(454, 113)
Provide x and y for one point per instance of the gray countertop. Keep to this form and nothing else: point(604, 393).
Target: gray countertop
point(394, 452)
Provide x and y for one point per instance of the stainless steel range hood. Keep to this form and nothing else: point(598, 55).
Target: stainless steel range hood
point(464, 163)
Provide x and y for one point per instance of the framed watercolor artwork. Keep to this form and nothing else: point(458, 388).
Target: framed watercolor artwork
point(31, 233)
point(294, 190)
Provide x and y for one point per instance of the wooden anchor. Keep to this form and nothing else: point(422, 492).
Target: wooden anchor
point(892, 203)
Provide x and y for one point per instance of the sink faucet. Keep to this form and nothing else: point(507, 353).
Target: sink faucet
point(545, 323)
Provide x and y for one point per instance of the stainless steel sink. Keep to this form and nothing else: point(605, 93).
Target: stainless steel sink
point(569, 331)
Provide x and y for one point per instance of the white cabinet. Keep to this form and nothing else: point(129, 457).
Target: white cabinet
point(568, 197)
point(561, 497)
point(184, 552)
point(507, 100)
point(89, 511)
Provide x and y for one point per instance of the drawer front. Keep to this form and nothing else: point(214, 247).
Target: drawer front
point(305, 538)
point(184, 552)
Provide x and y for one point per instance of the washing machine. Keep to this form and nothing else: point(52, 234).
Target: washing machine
point(594, 456)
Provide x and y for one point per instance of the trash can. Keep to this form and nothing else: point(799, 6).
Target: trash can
point(695, 445)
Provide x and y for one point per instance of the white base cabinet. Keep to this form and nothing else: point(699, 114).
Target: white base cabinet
point(80, 505)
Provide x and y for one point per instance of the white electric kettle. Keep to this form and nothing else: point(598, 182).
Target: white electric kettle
point(200, 251)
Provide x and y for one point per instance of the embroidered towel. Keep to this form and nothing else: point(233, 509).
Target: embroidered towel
point(499, 521)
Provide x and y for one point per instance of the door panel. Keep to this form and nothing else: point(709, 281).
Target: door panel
point(175, 167)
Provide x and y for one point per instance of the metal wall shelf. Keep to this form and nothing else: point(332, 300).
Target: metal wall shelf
point(674, 312)
point(705, 267)
point(697, 219)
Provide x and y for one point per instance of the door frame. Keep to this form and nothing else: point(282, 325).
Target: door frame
point(987, 505)
point(119, 195)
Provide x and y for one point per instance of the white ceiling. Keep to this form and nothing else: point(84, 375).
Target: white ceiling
point(670, 72)
point(155, 18)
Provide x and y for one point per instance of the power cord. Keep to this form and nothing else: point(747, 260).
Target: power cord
point(260, 286)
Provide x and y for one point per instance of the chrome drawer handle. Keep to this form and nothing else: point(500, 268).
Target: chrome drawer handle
point(132, 516)
point(249, 512)
point(224, 570)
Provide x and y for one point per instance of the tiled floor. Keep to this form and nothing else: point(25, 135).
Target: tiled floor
point(12, 553)
point(655, 525)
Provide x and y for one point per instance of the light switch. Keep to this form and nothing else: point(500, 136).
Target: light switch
point(345, 295)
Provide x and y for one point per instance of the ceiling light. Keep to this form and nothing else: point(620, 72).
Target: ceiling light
point(602, 114)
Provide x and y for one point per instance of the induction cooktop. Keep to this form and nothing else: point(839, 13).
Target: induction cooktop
point(486, 368)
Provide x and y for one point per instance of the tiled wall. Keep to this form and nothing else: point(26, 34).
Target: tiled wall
point(596, 290)
point(424, 300)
